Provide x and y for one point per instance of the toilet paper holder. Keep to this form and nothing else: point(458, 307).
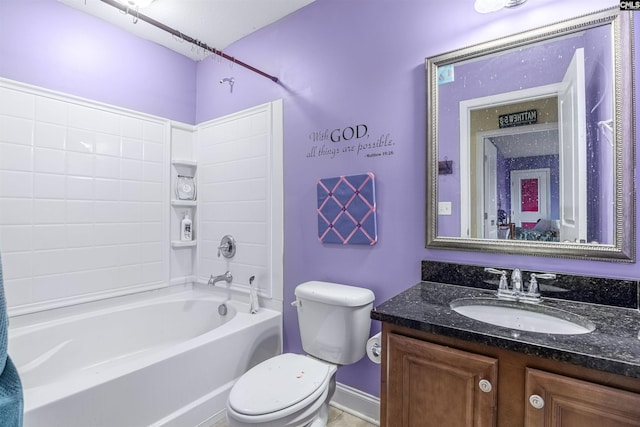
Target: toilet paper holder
point(376, 349)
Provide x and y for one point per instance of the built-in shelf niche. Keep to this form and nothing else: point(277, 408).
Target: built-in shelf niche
point(183, 155)
point(183, 243)
point(184, 162)
point(183, 203)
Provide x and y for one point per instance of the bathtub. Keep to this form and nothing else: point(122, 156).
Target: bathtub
point(160, 359)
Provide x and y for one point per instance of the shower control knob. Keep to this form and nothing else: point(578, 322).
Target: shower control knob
point(485, 386)
point(227, 247)
point(536, 401)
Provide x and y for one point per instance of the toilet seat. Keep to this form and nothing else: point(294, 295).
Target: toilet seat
point(280, 386)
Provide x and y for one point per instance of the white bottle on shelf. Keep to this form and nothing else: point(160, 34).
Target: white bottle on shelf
point(186, 232)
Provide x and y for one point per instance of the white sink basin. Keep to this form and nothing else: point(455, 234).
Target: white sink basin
point(521, 316)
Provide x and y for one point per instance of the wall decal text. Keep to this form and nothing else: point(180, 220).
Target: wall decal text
point(350, 140)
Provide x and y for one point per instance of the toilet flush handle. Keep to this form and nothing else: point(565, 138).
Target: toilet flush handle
point(296, 303)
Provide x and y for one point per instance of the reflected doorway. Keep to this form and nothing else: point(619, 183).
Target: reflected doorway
point(510, 160)
point(530, 197)
point(488, 208)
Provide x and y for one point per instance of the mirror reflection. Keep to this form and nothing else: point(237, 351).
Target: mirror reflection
point(532, 128)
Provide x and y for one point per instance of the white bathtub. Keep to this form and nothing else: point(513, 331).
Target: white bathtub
point(159, 359)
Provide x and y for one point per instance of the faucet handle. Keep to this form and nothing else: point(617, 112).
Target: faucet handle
point(544, 275)
point(220, 248)
point(534, 289)
point(503, 285)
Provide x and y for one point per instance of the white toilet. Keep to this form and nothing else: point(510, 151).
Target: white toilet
point(293, 389)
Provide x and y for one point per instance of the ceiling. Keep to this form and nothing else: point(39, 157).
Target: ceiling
point(543, 143)
point(218, 23)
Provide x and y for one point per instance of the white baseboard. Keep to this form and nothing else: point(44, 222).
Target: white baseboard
point(357, 403)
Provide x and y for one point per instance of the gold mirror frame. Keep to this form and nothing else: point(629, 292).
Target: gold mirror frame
point(624, 233)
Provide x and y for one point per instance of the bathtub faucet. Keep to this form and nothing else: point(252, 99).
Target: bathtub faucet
point(227, 277)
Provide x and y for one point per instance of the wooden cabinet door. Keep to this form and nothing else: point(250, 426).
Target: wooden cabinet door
point(429, 385)
point(569, 402)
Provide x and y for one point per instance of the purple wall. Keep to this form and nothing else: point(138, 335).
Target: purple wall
point(48, 44)
point(341, 64)
point(348, 63)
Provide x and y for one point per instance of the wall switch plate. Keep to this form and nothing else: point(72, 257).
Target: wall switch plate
point(444, 208)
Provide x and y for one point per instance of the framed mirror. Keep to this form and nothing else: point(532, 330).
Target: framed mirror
point(531, 144)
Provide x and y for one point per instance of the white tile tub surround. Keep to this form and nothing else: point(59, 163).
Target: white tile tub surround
point(240, 193)
point(83, 196)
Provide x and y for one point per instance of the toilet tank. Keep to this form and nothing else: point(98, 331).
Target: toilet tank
point(334, 320)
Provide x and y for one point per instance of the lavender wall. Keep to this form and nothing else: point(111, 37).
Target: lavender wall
point(341, 64)
point(348, 63)
point(48, 44)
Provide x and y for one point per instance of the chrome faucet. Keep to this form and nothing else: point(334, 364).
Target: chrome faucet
point(227, 277)
point(516, 291)
point(516, 280)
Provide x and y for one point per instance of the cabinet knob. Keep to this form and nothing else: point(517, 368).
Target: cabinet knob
point(536, 401)
point(485, 386)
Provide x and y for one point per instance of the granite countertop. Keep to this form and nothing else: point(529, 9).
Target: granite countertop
point(612, 347)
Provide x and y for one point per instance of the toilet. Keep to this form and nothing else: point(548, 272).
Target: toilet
point(294, 389)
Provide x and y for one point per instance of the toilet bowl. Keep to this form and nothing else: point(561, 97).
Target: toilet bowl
point(294, 390)
point(288, 390)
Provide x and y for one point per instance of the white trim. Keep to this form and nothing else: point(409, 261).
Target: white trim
point(86, 102)
point(20, 310)
point(166, 207)
point(276, 201)
point(357, 403)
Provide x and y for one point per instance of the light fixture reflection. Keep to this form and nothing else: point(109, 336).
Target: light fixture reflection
point(487, 6)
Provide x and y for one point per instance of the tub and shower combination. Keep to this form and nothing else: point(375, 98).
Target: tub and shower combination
point(161, 359)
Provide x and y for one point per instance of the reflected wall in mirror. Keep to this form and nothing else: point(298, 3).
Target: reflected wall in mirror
point(541, 126)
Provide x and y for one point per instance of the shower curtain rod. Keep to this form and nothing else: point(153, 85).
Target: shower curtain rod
point(136, 15)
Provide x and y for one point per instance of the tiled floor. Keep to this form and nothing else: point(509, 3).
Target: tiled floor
point(337, 418)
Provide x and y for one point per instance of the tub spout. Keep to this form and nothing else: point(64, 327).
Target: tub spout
point(227, 277)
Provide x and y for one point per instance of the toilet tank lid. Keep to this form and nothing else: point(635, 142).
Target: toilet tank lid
point(334, 294)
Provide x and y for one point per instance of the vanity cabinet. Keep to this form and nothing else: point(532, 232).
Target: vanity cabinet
point(434, 380)
point(433, 385)
point(569, 402)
